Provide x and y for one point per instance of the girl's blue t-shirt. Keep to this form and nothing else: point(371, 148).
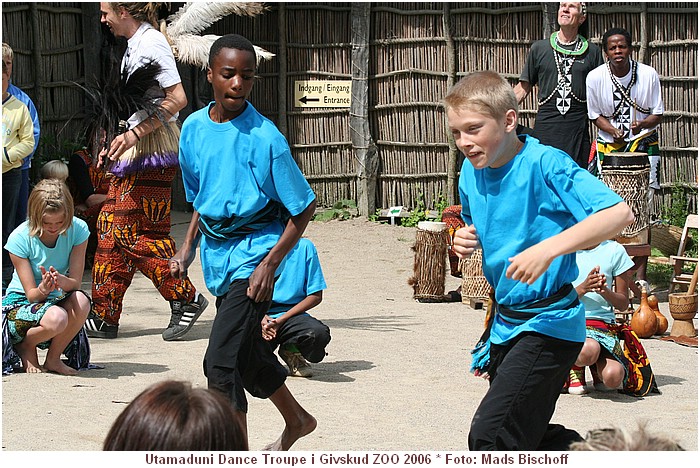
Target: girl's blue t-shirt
point(301, 277)
point(234, 169)
point(613, 260)
point(538, 194)
point(23, 245)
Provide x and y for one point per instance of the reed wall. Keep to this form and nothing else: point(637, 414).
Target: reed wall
point(417, 50)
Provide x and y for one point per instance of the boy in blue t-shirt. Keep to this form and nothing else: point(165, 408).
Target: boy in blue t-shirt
point(287, 324)
point(530, 208)
point(252, 203)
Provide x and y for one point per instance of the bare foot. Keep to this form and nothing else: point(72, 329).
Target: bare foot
point(29, 357)
point(59, 367)
point(291, 434)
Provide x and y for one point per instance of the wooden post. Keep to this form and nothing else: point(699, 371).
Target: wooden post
point(643, 35)
point(549, 18)
point(452, 169)
point(36, 57)
point(282, 75)
point(363, 147)
point(92, 36)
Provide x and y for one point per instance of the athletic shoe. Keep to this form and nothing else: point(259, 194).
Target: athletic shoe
point(95, 327)
point(183, 316)
point(577, 381)
point(298, 367)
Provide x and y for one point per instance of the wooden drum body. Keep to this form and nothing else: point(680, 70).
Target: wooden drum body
point(474, 284)
point(628, 175)
point(430, 261)
point(683, 309)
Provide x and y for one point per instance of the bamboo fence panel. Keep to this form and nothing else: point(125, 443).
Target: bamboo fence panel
point(48, 44)
point(417, 49)
point(317, 39)
point(407, 82)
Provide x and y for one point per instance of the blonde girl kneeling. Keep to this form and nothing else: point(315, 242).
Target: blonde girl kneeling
point(44, 304)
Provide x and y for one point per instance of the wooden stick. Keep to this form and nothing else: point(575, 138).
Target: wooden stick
point(693, 282)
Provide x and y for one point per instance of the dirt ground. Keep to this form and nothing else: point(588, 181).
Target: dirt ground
point(395, 378)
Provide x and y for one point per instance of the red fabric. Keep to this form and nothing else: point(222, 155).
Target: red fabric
point(452, 216)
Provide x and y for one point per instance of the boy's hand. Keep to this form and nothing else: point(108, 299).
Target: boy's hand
point(529, 264)
point(269, 328)
point(180, 262)
point(261, 283)
point(465, 241)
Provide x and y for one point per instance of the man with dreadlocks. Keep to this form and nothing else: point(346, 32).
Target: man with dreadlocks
point(559, 65)
point(134, 224)
point(624, 101)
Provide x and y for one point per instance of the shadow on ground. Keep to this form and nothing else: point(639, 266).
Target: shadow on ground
point(117, 369)
point(335, 371)
point(379, 323)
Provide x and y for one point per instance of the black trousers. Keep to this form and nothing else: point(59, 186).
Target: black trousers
point(307, 333)
point(238, 358)
point(527, 376)
point(11, 182)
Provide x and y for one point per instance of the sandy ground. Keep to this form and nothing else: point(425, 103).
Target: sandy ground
point(395, 378)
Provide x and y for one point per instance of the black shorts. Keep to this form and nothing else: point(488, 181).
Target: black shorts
point(238, 357)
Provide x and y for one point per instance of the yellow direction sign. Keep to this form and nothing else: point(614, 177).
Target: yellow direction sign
point(317, 93)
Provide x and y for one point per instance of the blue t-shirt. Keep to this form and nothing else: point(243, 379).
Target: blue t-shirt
point(302, 276)
point(27, 101)
point(23, 245)
point(536, 195)
point(234, 169)
point(613, 261)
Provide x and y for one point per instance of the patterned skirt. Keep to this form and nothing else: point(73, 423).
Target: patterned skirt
point(23, 315)
point(639, 377)
point(19, 315)
point(608, 340)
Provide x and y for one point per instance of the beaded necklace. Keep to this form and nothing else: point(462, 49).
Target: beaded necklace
point(564, 61)
point(625, 92)
point(580, 41)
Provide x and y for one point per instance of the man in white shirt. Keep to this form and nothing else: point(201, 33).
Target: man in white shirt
point(134, 224)
point(624, 101)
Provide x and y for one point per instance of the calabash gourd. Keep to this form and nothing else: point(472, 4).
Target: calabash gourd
point(644, 321)
point(661, 320)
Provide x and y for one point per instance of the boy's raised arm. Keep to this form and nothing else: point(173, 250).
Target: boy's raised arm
point(263, 278)
point(605, 224)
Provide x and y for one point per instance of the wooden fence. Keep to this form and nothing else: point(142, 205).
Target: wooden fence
point(391, 146)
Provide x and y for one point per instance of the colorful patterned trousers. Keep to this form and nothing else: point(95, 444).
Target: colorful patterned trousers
point(133, 232)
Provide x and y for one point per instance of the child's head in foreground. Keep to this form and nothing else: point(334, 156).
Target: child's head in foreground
point(482, 113)
point(171, 415)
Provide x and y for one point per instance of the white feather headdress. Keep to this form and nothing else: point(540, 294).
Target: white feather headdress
point(182, 29)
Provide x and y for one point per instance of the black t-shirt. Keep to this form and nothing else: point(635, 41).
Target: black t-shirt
point(541, 69)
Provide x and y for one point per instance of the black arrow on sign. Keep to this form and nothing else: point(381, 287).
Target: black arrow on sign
point(305, 99)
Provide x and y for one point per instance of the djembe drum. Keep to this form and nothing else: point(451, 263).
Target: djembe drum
point(430, 262)
point(627, 174)
point(474, 284)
